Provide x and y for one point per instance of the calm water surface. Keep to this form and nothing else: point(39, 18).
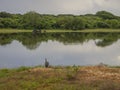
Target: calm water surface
point(59, 48)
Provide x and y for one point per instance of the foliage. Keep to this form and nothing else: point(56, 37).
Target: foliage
point(71, 72)
point(105, 15)
point(34, 20)
point(5, 15)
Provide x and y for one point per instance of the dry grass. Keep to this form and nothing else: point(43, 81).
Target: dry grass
point(61, 78)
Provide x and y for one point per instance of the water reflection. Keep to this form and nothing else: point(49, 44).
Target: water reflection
point(59, 48)
point(33, 41)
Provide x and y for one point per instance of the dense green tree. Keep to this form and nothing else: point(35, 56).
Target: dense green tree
point(5, 15)
point(63, 22)
point(78, 23)
point(8, 23)
point(30, 20)
point(47, 21)
point(33, 20)
point(113, 23)
point(105, 15)
point(91, 21)
point(1, 24)
point(102, 24)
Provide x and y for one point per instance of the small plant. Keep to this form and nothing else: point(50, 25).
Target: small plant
point(72, 72)
point(75, 68)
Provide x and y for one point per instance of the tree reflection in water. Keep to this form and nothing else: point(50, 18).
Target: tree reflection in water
point(33, 41)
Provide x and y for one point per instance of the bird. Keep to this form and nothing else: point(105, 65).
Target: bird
point(46, 63)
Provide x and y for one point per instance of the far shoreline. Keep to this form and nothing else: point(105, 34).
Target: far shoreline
point(3, 31)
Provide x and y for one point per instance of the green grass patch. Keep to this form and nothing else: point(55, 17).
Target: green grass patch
point(23, 68)
point(14, 31)
point(4, 72)
point(85, 30)
point(57, 30)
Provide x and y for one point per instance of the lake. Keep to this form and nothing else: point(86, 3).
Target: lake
point(26, 49)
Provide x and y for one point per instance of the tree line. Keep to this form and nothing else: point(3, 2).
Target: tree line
point(34, 20)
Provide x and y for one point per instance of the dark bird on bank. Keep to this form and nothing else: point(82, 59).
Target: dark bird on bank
point(46, 63)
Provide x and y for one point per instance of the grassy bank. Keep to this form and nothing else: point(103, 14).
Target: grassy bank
point(52, 31)
point(86, 30)
point(60, 78)
point(13, 31)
